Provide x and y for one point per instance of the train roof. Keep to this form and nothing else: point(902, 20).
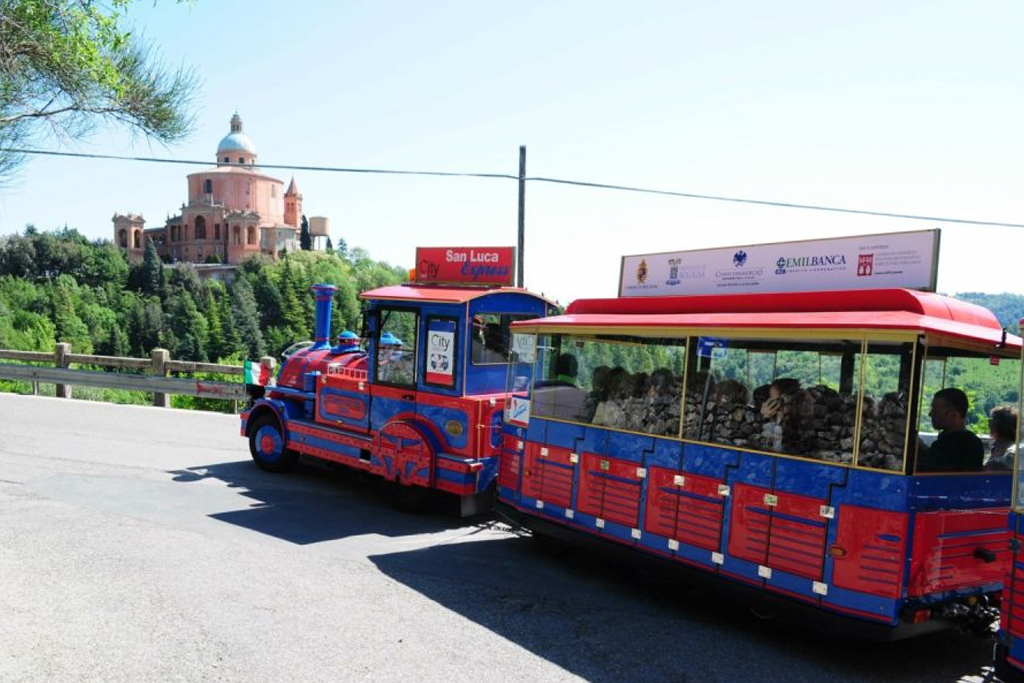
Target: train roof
point(875, 310)
point(440, 293)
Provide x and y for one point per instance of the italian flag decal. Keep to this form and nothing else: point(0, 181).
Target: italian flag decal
point(256, 374)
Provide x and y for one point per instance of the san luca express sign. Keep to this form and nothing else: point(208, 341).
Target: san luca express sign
point(899, 259)
point(465, 265)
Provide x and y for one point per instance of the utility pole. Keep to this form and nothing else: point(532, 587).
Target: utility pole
point(522, 215)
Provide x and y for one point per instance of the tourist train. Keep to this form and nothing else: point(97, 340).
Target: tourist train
point(774, 442)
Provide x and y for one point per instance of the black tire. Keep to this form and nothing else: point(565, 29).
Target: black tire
point(267, 446)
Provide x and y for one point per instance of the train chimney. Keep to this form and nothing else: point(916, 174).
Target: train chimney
point(322, 332)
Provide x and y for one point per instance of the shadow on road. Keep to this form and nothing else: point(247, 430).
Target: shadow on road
point(604, 622)
point(316, 503)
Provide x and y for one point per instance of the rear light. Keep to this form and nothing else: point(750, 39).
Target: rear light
point(921, 616)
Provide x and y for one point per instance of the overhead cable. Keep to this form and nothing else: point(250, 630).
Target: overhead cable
point(536, 179)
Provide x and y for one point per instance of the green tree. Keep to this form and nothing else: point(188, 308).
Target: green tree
point(153, 279)
point(305, 239)
point(69, 65)
point(329, 248)
point(246, 318)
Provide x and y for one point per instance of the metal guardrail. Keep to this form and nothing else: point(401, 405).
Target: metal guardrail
point(157, 382)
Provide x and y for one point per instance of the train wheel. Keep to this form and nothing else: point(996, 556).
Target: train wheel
point(266, 443)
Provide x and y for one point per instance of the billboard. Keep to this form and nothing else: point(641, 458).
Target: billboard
point(465, 265)
point(900, 259)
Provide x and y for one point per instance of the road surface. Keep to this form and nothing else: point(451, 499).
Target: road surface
point(141, 544)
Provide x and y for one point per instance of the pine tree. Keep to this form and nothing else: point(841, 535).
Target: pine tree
point(330, 247)
point(305, 239)
point(243, 307)
point(153, 280)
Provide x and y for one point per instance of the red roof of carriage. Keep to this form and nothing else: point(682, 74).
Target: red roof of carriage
point(439, 293)
point(881, 309)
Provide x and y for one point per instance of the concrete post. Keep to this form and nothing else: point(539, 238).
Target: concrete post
point(60, 360)
point(160, 358)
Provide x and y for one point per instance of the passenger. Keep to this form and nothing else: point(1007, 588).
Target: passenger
point(393, 365)
point(1002, 427)
point(348, 342)
point(566, 368)
point(955, 449)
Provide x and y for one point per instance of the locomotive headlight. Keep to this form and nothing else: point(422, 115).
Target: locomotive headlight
point(453, 427)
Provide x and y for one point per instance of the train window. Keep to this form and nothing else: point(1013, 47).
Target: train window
point(883, 430)
point(793, 397)
point(396, 347)
point(490, 337)
point(982, 443)
point(628, 383)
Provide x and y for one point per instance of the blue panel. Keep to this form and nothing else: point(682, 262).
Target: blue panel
point(383, 409)
point(807, 478)
point(563, 434)
point(537, 431)
point(666, 454)
point(630, 447)
point(708, 460)
point(874, 489)
point(748, 570)
point(618, 532)
point(440, 417)
point(692, 553)
point(886, 609)
point(454, 477)
point(939, 492)
point(595, 440)
point(488, 474)
point(794, 584)
point(754, 469)
point(490, 379)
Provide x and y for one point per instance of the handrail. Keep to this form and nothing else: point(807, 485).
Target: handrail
point(154, 379)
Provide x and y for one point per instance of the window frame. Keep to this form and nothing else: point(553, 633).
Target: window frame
point(379, 313)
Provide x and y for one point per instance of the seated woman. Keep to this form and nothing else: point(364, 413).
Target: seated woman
point(1002, 427)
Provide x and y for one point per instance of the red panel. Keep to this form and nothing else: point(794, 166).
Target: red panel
point(465, 265)
point(510, 462)
point(875, 543)
point(797, 542)
point(700, 521)
point(662, 502)
point(944, 547)
point(609, 489)
point(409, 451)
point(533, 472)
point(548, 475)
point(750, 520)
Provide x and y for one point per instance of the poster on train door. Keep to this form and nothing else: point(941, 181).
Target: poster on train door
point(440, 352)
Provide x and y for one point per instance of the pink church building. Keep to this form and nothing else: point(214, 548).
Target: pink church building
point(234, 211)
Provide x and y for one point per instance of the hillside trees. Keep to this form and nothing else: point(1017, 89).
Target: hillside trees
point(58, 286)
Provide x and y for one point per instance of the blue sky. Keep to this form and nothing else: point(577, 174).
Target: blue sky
point(912, 107)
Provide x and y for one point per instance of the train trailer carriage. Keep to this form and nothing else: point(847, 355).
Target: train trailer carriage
point(780, 442)
point(1009, 648)
point(421, 405)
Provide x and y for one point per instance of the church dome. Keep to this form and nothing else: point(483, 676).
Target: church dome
point(236, 140)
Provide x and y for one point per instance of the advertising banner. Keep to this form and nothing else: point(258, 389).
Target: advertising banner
point(901, 259)
point(465, 265)
point(440, 352)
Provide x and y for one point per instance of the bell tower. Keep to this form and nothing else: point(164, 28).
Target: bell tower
point(292, 205)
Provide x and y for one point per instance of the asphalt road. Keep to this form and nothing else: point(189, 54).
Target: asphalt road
point(141, 544)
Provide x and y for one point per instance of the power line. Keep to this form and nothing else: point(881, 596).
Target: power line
point(784, 205)
point(536, 179)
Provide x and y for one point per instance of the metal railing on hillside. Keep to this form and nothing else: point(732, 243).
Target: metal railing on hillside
point(155, 381)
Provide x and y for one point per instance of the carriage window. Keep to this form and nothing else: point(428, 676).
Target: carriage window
point(491, 336)
point(628, 383)
point(793, 397)
point(883, 431)
point(992, 394)
point(396, 347)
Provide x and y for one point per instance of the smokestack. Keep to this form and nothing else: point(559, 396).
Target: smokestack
point(322, 332)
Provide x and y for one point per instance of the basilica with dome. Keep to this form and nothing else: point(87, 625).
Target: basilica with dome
point(234, 210)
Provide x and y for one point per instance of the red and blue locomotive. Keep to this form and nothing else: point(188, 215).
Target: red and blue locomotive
point(421, 405)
